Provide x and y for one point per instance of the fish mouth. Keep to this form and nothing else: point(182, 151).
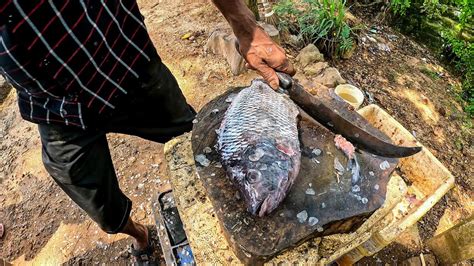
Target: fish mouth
point(266, 206)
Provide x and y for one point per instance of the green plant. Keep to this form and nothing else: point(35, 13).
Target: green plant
point(430, 73)
point(456, 32)
point(464, 62)
point(321, 22)
point(400, 6)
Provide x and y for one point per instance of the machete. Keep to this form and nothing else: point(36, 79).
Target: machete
point(338, 124)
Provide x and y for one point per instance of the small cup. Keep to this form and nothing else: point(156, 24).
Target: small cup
point(351, 94)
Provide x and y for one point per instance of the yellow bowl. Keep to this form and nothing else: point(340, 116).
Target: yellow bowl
point(351, 94)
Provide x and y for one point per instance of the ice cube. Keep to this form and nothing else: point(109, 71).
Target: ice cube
point(338, 166)
point(355, 188)
point(230, 98)
point(207, 150)
point(313, 221)
point(310, 191)
point(384, 165)
point(302, 216)
point(202, 160)
point(257, 155)
point(317, 152)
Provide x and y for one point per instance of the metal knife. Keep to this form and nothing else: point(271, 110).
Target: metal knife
point(339, 124)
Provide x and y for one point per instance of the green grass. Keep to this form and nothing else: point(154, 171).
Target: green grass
point(430, 73)
point(321, 22)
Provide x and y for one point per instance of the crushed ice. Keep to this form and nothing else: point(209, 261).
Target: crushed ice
point(364, 200)
point(230, 98)
point(355, 188)
point(376, 187)
point(257, 155)
point(338, 166)
point(384, 165)
point(302, 216)
point(195, 121)
point(316, 152)
point(310, 191)
point(207, 150)
point(312, 221)
point(202, 160)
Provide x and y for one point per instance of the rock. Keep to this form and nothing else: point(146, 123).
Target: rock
point(225, 44)
point(313, 89)
point(309, 54)
point(383, 47)
point(315, 69)
point(330, 78)
point(294, 40)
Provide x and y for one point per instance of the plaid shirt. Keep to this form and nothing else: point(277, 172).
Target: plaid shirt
point(72, 60)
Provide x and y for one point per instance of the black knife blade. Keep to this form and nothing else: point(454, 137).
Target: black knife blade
point(338, 124)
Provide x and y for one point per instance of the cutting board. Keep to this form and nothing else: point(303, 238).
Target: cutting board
point(319, 203)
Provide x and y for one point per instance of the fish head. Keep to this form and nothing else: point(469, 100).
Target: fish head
point(268, 173)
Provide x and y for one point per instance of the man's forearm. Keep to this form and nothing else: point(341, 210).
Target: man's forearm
point(259, 50)
point(239, 16)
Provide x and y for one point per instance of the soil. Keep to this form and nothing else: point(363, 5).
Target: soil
point(43, 224)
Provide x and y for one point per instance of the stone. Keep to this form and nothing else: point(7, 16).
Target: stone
point(225, 44)
point(294, 40)
point(330, 78)
point(315, 69)
point(313, 89)
point(309, 54)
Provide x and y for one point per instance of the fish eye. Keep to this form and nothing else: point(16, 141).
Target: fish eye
point(253, 176)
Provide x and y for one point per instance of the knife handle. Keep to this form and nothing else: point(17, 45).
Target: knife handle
point(286, 81)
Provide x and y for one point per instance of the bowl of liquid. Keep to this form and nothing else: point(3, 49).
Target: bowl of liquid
point(351, 94)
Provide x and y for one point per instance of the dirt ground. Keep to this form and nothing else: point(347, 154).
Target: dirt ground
point(43, 225)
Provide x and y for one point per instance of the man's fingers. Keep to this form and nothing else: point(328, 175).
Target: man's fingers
point(287, 68)
point(268, 74)
point(247, 65)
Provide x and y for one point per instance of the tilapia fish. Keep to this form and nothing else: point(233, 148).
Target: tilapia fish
point(259, 146)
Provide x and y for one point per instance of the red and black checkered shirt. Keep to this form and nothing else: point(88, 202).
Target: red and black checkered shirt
point(71, 60)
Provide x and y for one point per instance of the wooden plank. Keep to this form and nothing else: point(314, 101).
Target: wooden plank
point(338, 205)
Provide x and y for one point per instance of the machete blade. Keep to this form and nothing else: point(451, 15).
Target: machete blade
point(338, 124)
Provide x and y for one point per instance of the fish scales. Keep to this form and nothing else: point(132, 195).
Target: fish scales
point(259, 146)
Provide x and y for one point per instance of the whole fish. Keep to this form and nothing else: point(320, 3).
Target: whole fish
point(259, 146)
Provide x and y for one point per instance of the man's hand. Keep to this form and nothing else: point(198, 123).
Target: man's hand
point(258, 49)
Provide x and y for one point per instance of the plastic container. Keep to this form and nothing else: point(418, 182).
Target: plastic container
point(428, 181)
point(351, 94)
point(173, 239)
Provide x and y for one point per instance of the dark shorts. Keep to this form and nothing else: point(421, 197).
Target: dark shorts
point(80, 162)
